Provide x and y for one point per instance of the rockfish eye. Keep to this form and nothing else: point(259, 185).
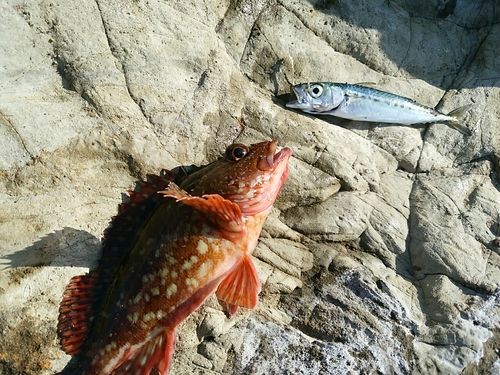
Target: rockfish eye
point(236, 152)
point(316, 90)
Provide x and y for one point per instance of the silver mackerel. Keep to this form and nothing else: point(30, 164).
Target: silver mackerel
point(362, 103)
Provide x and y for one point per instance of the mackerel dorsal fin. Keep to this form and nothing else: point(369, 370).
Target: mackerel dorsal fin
point(367, 84)
point(221, 211)
point(240, 287)
point(83, 296)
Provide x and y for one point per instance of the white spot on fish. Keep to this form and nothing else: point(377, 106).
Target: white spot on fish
point(155, 291)
point(149, 316)
point(190, 262)
point(137, 298)
point(171, 290)
point(164, 272)
point(132, 318)
point(160, 314)
point(202, 247)
point(146, 297)
point(204, 269)
point(174, 274)
point(171, 260)
point(191, 283)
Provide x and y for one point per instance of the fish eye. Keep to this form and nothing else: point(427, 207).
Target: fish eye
point(236, 152)
point(316, 91)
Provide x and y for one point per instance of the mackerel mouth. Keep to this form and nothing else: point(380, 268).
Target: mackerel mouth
point(300, 96)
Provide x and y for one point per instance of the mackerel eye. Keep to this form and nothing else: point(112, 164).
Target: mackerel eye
point(316, 91)
point(236, 152)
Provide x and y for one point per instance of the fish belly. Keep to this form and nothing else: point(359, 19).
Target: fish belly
point(374, 109)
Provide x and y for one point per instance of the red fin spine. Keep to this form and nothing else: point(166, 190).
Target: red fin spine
point(241, 286)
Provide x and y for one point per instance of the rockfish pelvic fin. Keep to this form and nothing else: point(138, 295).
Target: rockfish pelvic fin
point(156, 353)
point(457, 115)
point(221, 211)
point(240, 287)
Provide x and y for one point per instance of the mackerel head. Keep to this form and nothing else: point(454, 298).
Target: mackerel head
point(168, 250)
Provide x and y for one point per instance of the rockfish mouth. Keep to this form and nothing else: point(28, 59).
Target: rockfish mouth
point(273, 158)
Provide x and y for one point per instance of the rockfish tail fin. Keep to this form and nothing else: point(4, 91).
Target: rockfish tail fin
point(456, 116)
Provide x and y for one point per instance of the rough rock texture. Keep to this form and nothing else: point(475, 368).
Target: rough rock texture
point(380, 256)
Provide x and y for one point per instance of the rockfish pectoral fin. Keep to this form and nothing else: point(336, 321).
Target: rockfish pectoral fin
point(155, 353)
point(241, 286)
point(221, 211)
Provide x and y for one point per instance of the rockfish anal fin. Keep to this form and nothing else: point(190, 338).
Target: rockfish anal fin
point(240, 287)
point(156, 353)
point(221, 211)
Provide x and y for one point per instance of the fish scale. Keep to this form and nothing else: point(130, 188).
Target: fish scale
point(164, 254)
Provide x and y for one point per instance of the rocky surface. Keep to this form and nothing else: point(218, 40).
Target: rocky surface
point(380, 256)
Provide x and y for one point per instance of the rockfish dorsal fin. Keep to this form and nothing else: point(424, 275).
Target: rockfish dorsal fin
point(83, 296)
point(221, 211)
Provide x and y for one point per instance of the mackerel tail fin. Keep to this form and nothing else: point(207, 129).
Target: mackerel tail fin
point(457, 115)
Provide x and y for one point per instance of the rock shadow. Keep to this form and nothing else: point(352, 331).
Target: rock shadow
point(403, 32)
point(67, 247)
point(70, 247)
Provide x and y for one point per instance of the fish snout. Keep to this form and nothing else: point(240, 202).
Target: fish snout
point(272, 158)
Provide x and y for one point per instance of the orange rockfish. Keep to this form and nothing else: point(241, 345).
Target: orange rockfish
point(164, 257)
